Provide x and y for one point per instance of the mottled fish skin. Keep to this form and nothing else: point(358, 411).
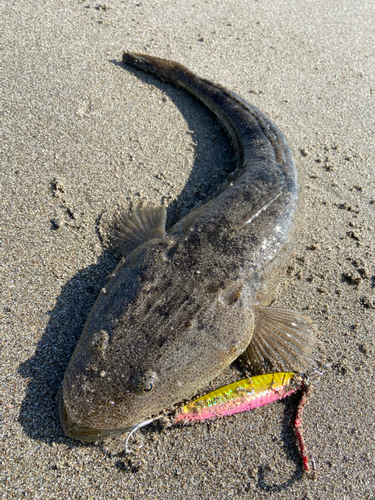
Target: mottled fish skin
point(184, 304)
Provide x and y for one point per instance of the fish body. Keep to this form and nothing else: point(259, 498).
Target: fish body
point(184, 303)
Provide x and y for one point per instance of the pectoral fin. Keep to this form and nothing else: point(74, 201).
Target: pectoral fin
point(144, 224)
point(282, 341)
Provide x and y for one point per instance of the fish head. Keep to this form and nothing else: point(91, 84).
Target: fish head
point(98, 400)
point(149, 358)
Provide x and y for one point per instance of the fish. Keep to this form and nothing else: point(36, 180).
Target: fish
point(185, 302)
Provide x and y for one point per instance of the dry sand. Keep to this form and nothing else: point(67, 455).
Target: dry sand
point(82, 133)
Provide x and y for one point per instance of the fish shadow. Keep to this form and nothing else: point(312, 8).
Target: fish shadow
point(213, 164)
point(45, 369)
point(214, 160)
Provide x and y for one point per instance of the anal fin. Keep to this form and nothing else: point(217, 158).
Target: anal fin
point(282, 341)
point(131, 230)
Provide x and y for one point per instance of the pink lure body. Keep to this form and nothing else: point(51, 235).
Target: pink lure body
point(241, 396)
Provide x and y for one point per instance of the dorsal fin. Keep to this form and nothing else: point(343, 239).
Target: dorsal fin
point(131, 230)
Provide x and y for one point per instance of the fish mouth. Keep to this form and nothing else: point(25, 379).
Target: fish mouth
point(80, 432)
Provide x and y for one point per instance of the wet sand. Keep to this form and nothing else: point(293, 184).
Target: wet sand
point(83, 133)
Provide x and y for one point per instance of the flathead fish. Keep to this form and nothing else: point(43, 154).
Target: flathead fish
point(184, 303)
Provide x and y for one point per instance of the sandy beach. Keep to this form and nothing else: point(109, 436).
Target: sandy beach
point(82, 133)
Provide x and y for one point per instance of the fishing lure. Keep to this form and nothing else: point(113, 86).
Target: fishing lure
point(241, 396)
point(244, 395)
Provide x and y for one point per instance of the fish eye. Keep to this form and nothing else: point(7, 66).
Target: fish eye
point(149, 388)
point(144, 382)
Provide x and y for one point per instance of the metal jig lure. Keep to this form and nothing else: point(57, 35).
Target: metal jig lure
point(244, 395)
